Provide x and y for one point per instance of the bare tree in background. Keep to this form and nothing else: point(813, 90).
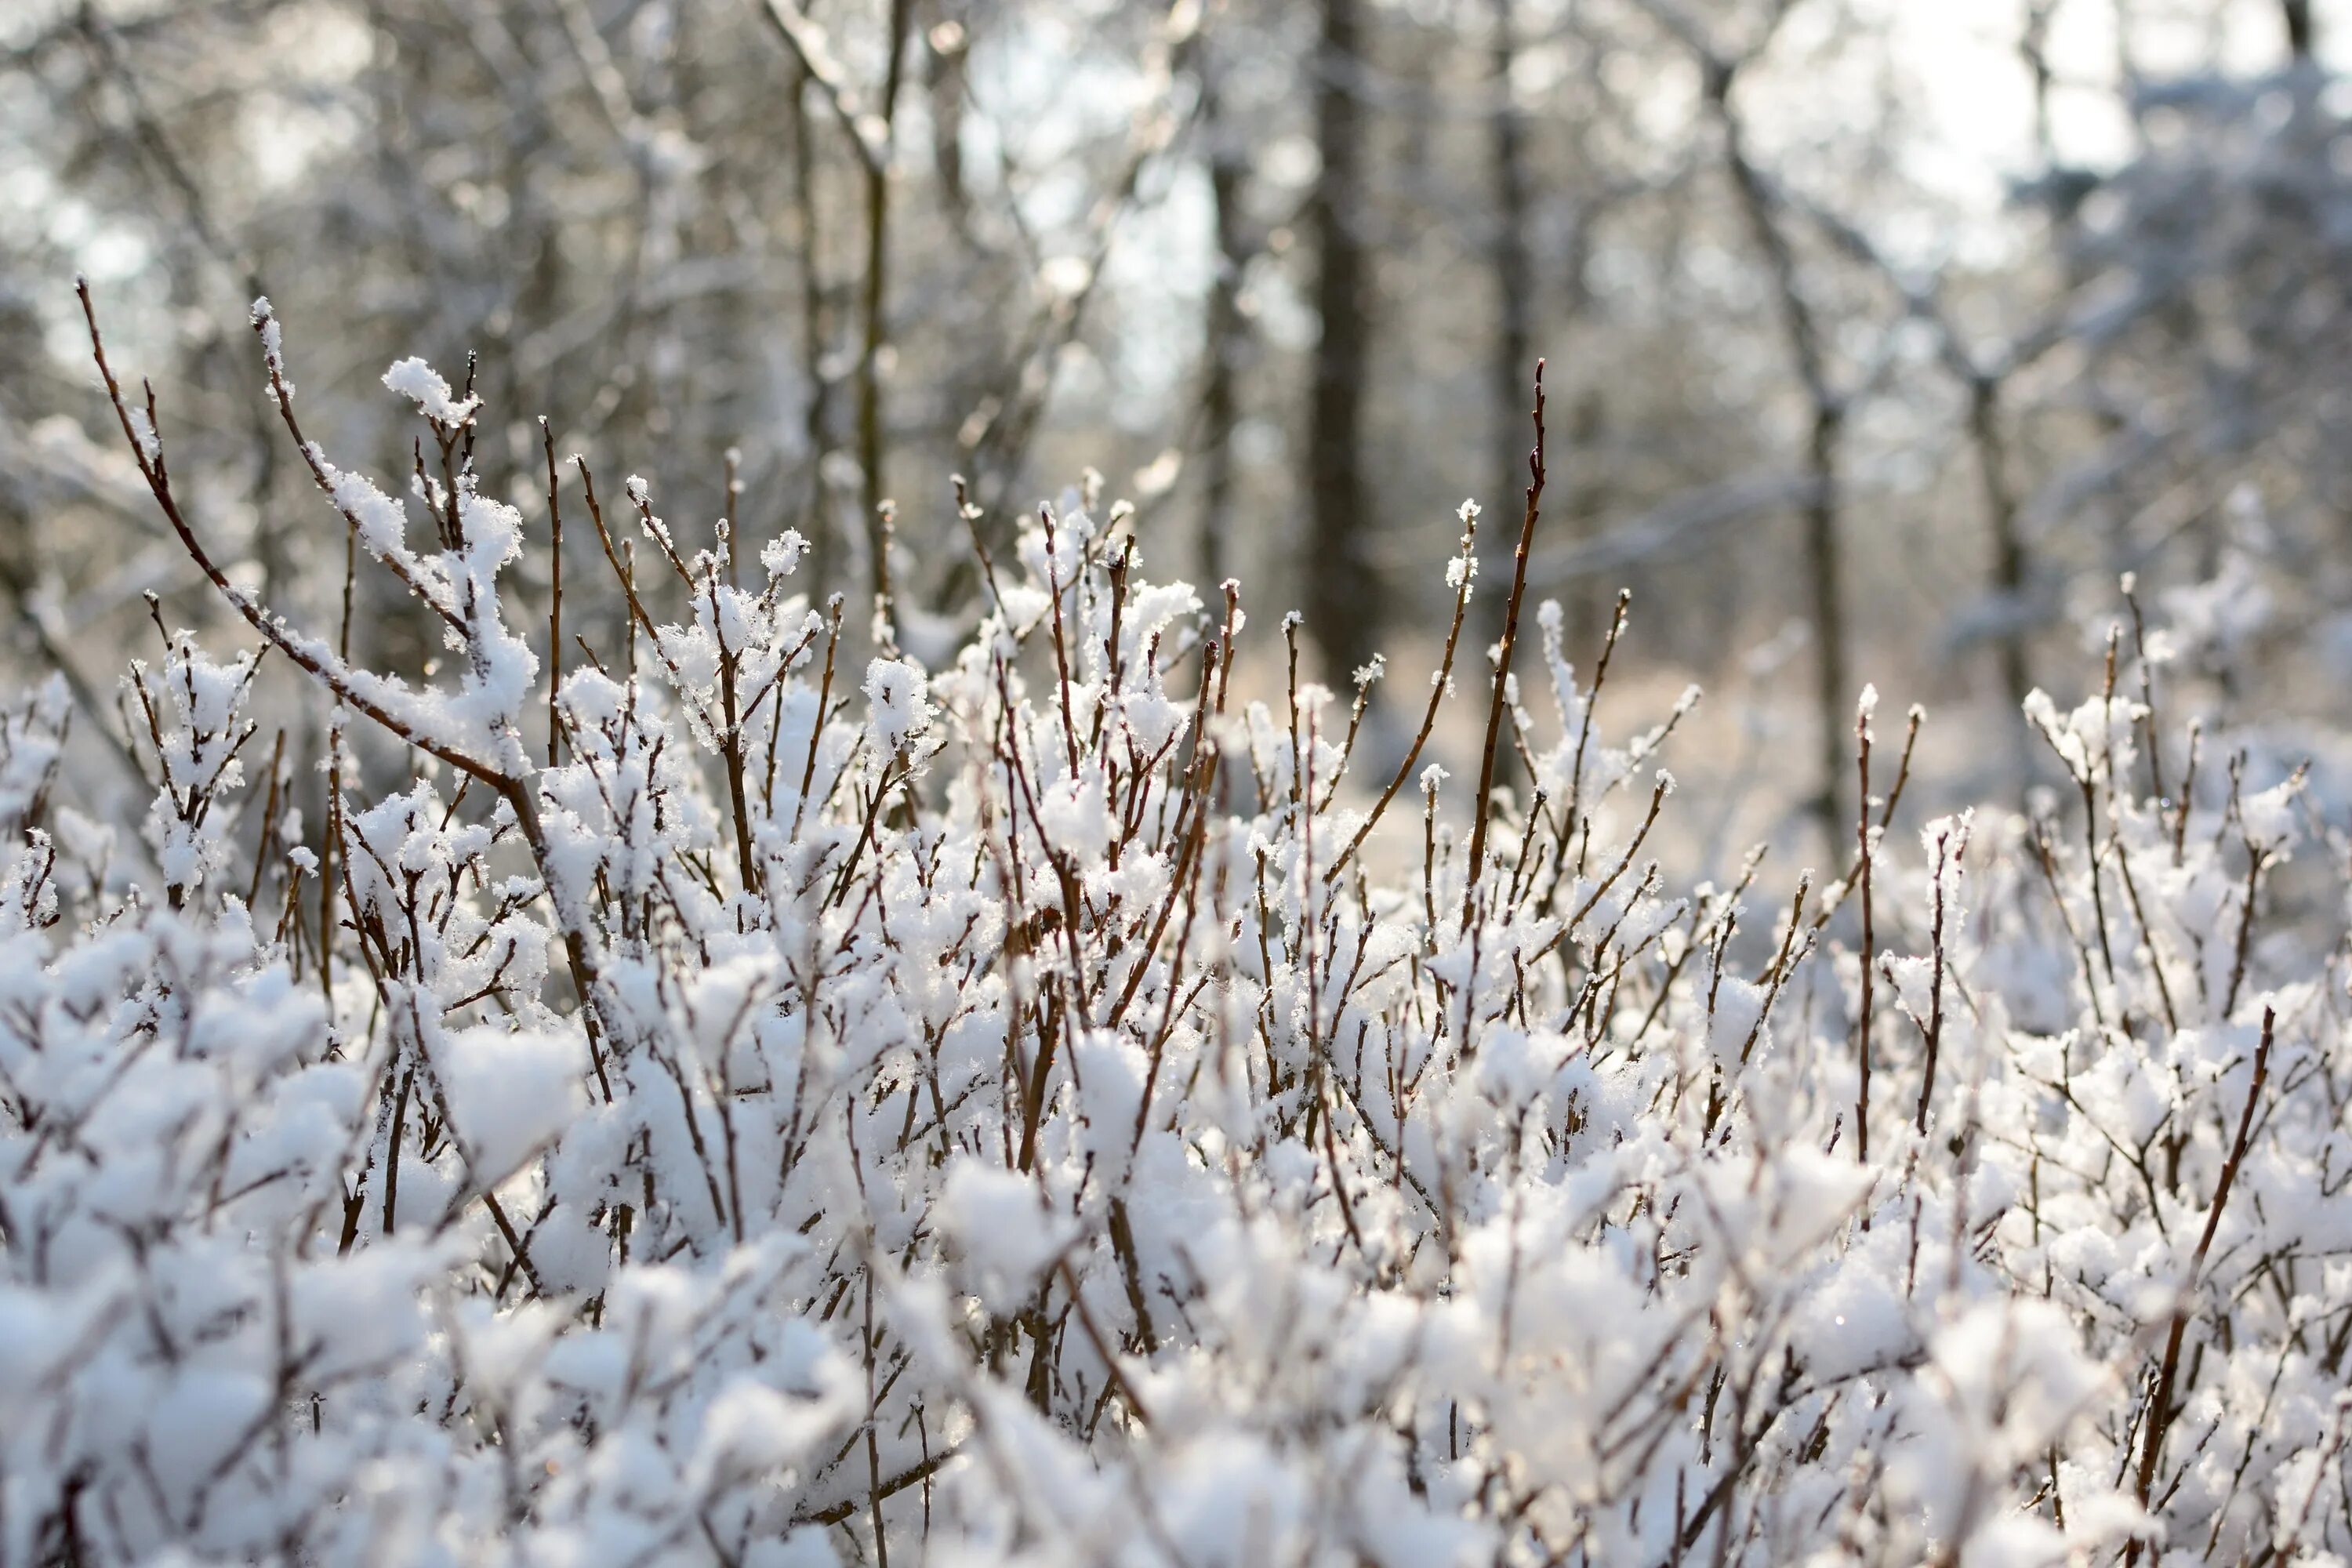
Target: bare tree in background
point(1343, 587)
point(1514, 357)
point(1222, 329)
point(1826, 404)
point(876, 243)
point(871, 131)
point(2300, 40)
point(870, 454)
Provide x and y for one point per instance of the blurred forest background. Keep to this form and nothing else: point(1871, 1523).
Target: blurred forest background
point(1885, 335)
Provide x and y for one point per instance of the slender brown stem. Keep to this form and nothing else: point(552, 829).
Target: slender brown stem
point(1439, 685)
point(816, 723)
point(554, 599)
point(1478, 806)
point(1869, 938)
point(1934, 1027)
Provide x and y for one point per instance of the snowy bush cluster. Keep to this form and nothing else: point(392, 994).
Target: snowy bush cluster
point(813, 1111)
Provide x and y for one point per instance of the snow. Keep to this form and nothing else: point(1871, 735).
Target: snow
point(422, 386)
point(898, 709)
point(781, 555)
point(991, 1126)
point(1001, 1230)
point(509, 1093)
point(382, 521)
point(273, 341)
point(142, 431)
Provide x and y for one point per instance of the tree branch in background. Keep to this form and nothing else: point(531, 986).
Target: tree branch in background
point(1826, 405)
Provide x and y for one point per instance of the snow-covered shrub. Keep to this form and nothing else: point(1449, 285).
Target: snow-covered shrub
point(1020, 1111)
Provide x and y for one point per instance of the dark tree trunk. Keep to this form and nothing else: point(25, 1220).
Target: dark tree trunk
point(1343, 587)
point(2299, 30)
point(1833, 697)
point(822, 519)
point(870, 454)
point(2009, 564)
point(1514, 363)
point(1222, 338)
point(948, 60)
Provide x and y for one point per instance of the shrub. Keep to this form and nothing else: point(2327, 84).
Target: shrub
point(1010, 1112)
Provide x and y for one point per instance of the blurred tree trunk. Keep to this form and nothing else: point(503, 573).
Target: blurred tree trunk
point(1222, 337)
point(2009, 562)
point(1514, 364)
point(949, 54)
point(1586, 601)
point(1824, 553)
point(1832, 694)
point(808, 240)
point(2299, 32)
point(1343, 608)
point(869, 364)
point(2033, 49)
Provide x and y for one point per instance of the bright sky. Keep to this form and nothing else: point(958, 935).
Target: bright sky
point(1963, 53)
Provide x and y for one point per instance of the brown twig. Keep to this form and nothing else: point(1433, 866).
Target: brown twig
point(1478, 805)
point(1439, 685)
point(1869, 933)
point(556, 598)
